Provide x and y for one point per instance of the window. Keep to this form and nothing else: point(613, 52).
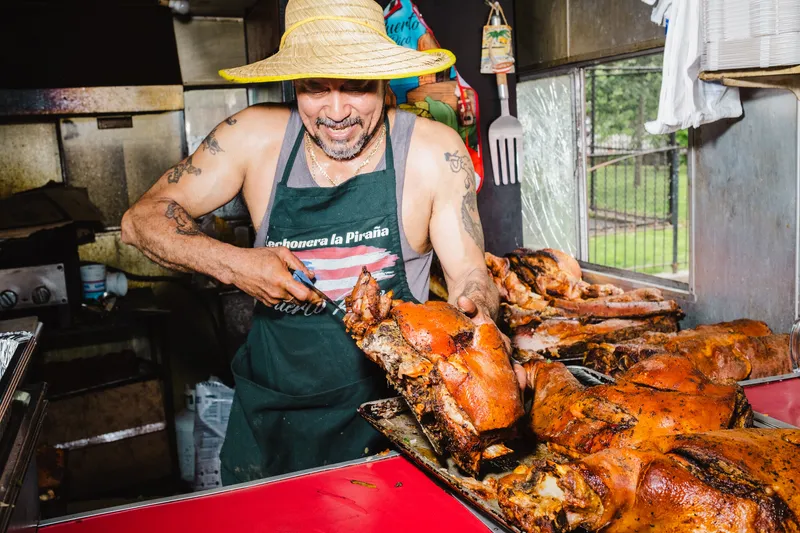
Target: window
point(595, 183)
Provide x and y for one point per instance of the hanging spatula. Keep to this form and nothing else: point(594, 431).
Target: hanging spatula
point(505, 140)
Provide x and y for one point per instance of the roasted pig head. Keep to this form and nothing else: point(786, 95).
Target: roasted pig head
point(555, 274)
point(662, 395)
point(741, 480)
point(456, 377)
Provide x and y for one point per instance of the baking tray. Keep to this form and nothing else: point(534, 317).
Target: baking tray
point(393, 418)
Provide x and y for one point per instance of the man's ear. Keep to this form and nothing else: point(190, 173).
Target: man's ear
point(389, 97)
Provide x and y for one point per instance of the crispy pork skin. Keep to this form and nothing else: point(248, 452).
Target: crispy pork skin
point(739, 480)
point(729, 351)
point(555, 274)
point(559, 337)
point(456, 376)
point(661, 395)
point(639, 303)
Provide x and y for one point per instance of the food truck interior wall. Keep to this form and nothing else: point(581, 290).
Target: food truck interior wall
point(744, 244)
point(745, 171)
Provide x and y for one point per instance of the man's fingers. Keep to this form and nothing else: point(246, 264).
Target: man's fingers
point(292, 261)
point(300, 292)
point(467, 306)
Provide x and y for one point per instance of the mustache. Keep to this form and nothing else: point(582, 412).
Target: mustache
point(349, 121)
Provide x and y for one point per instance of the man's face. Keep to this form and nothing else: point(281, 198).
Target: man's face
point(340, 115)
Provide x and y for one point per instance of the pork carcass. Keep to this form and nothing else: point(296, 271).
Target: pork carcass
point(555, 274)
point(542, 290)
point(659, 396)
point(570, 337)
point(728, 351)
point(739, 480)
point(456, 377)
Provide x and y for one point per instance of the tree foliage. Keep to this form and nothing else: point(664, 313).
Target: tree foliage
point(626, 94)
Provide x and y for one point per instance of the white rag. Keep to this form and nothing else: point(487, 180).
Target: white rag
point(687, 101)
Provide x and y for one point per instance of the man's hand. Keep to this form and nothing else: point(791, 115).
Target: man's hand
point(480, 316)
point(264, 274)
point(474, 312)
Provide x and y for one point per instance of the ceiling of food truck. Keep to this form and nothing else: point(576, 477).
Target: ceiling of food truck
point(218, 8)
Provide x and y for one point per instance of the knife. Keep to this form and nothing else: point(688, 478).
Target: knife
point(302, 278)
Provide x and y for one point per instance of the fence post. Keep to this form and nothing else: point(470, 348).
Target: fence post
point(674, 167)
point(592, 159)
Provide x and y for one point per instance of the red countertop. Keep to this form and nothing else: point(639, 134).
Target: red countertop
point(779, 399)
point(384, 496)
point(389, 495)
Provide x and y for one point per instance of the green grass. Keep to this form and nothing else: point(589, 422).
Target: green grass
point(614, 190)
point(646, 247)
point(649, 246)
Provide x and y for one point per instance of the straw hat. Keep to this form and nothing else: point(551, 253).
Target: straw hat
point(343, 39)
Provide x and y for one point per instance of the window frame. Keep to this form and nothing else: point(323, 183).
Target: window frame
point(595, 273)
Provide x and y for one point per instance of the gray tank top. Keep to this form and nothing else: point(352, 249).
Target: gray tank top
point(417, 266)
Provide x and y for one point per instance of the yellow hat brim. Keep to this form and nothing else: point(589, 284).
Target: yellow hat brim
point(382, 61)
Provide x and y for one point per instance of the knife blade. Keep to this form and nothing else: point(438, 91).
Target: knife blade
point(298, 275)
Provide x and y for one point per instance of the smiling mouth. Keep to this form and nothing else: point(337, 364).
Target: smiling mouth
point(339, 132)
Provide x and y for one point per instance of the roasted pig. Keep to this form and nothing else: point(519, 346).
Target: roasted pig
point(659, 396)
point(456, 377)
point(561, 337)
point(555, 274)
point(728, 351)
point(740, 480)
point(549, 310)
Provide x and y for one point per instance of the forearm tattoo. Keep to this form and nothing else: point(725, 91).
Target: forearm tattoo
point(184, 224)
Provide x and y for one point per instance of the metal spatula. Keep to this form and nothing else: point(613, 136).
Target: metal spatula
point(505, 140)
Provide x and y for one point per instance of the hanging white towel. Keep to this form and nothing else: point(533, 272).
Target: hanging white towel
point(686, 101)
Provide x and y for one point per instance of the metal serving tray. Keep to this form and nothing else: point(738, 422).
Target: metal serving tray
point(393, 418)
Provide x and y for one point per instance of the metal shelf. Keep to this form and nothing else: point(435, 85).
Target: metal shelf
point(773, 78)
point(18, 365)
point(18, 445)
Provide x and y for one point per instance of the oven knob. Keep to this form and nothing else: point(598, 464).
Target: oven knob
point(8, 299)
point(41, 295)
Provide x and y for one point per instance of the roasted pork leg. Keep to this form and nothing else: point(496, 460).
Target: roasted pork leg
point(728, 351)
point(659, 396)
point(740, 480)
point(456, 376)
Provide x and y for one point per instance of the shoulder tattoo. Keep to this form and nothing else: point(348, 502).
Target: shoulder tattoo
point(460, 163)
point(175, 174)
point(211, 143)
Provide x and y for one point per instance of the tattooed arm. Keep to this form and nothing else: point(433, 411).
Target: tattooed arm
point(456, 232)
point(162, 223)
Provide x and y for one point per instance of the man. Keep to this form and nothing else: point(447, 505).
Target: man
point(333, 184)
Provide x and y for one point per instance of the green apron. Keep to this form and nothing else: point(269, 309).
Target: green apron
point(299, 376)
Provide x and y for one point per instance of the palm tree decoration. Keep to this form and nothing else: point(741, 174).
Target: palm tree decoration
point(499, 36)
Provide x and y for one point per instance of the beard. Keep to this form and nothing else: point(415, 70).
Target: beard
point(343, 150)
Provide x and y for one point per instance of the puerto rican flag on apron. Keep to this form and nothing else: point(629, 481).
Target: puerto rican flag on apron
point(337, 268)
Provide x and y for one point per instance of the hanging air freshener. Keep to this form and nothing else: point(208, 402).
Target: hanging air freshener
point(496, 54)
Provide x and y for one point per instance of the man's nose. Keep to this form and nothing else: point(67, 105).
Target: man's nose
point(338, 108)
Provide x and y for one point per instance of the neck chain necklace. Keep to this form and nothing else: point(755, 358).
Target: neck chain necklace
point(315, 163)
